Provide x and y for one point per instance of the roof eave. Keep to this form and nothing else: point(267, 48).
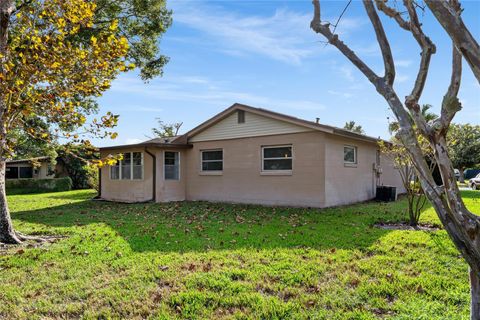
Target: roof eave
point(148, 145)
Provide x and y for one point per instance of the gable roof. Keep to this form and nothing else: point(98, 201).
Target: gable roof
point(273, 115)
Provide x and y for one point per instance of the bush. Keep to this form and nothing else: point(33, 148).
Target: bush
point(92, 177)
point(23, 186)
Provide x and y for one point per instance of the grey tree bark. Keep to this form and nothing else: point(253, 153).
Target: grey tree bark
point(7, 234)
point(445, 12)
point(462, 226)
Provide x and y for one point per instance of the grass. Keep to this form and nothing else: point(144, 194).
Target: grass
point(218, 261)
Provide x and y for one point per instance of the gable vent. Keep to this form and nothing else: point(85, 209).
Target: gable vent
point(241, 116)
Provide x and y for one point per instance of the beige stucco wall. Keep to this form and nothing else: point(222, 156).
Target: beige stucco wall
point(346, 184)
point(170, 190)
point(128, 190)
point(390, 175)
point(242, 180)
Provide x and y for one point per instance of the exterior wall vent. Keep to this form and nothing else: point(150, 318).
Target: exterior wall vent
point(241, 116)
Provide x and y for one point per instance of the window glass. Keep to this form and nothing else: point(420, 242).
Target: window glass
point(171, 166)
point(115, 171)
point(212, 155)
point(26, 172)
point(126, 168)
point(285, 164)
point(212, 160)
point(11, 173)
point(130, 167)
point(280, 152)
point(349, 154)
point(137, 165)
point(277, 158)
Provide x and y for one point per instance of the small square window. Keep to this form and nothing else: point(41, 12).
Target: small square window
point(350, 155)
point(277, 158)
point(212, 160)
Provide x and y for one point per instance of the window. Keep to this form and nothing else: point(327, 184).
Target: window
point(115, 171)
point(350, 155)
point(171, 165)
point(26, 173)
point(212, 160)
point(11, 173)
point(129, 168)
point(277, 158)
point(241, 116)
point(137, 165)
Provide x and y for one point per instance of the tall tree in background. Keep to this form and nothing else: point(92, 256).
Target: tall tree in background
point(166, 130)
point(464, 146)
point(56, 57)
point(462, 225)
point(352, 126)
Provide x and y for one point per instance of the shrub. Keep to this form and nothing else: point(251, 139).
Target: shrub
point(92, 177)
point(23, 186)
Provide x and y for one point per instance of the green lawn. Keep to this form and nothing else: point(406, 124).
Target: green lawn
point(201, 260)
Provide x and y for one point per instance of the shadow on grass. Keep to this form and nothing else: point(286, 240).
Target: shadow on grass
point(201, 226)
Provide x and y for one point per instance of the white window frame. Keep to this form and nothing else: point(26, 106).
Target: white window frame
point(202, 161)
point(355, 156)
point(179, 166)
point(131, 168)
point(266, 171)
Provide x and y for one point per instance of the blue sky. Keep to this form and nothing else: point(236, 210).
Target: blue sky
point(263, 53)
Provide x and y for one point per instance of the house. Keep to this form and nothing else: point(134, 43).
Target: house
point(251, 155)
point(34, 168)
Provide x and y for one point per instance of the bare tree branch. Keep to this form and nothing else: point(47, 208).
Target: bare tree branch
point(392, 13)
point(324, 29)
point(382, 41)
point(451, 104)
point(451, 21)
point(428, 48)
point(462, 226)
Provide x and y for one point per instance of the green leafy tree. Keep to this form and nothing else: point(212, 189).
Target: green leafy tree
point(27, 146)
point(352, 126)
point(166, 130)
point(463, 141)
point(142, 23)
point(56, 57)
point(76, 161)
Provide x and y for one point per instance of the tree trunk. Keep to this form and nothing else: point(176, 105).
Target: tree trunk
point(475, 295)
point(7, 234)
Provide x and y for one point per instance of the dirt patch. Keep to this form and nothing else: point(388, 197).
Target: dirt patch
point(405, 226)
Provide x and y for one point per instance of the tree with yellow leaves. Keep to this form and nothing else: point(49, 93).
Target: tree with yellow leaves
point(56, 57)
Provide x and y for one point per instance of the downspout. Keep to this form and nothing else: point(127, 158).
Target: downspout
point(154, 171)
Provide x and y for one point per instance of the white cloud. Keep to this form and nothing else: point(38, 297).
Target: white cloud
point(284, 36)
point(210, 92)
point(401, 78)
point(341, 94)
point(403, 63)
point(346, 72)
